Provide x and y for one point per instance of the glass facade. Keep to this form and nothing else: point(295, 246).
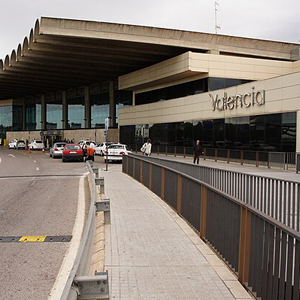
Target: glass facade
point(99, 109)
point(33, 116)
point(274, 132)
point(186, 89)
point(6, 120)
point(76, 112)
point(54, 115)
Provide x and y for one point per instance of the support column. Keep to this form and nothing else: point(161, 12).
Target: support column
point(65, 110)
point(112, 105)
point(24, 115)
point(43, 113)
point(133, 98)
point(298, 131)
point(87, 108)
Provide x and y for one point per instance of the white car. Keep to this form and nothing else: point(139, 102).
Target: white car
point(115, 152)
point(57, 149)
point(13, 144)
point(36, 145)
point(21, 144)
point(100, 149)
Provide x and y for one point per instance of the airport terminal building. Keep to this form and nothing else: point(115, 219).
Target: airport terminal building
point(172, 86)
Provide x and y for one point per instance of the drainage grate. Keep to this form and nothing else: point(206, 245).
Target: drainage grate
point(36, 239)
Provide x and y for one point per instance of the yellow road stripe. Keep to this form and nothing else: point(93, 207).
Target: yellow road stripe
point(37, 238)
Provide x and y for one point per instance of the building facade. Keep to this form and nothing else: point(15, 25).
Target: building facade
point(168, 85)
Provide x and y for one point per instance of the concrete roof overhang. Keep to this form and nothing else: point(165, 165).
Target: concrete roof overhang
point(60, 54)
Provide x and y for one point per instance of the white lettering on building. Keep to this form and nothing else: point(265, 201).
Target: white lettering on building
point(240, 100)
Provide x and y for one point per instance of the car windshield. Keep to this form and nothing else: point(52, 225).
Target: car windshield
point(72, 147)
point(20, 141)
point(60, 145)
point(38, 142)
point(116, 147)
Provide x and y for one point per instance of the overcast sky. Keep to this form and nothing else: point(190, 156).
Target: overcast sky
point(263, 19)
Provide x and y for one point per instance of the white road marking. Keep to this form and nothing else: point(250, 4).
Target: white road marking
point(34, 161)
point(71, 253)
point(11, 155)
point(0, 160)
point(37, 168)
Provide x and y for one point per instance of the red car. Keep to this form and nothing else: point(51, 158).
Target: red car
point(72, 152)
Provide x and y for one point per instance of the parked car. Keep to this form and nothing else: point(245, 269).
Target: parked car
point(12, 144)
point(100, 149)
point(36, 145)
point(115, 152)
point(57, 149)
point(72, 152)
point(20, 144)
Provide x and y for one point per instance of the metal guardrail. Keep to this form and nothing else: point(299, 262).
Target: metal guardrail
point(78, 284)
point(264, 254)
point(279, 199)
point(282, 160)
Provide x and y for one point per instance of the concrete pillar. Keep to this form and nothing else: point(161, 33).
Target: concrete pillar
point(24, 114)
point(112, 105)
point(298, 131)
point(87, 108)
point(133, 98)
point(65, 110)
point(43, 113)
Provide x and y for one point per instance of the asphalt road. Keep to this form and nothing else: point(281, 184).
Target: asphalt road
point(38, 197)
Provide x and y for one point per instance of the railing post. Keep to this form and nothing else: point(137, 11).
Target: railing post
point(184, 152)
point(150, 177)
point(203, 212)
point(244, 251)
point(228, 155)
point(179, 193)
point(157, 149)
point(204, 154)
point(166, 150)
point(133, 168)
point(257, 158)
point(175, 151)
point(162, 184)
point(242, 157)
point(216, 154)
point(141, 172)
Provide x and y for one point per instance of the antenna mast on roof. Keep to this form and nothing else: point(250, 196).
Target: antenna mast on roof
point(217, 26)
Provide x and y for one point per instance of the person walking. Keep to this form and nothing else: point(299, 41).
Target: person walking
point(148, 147)
point(197, 151)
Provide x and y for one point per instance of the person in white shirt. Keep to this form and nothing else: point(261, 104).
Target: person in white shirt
point(148, 147)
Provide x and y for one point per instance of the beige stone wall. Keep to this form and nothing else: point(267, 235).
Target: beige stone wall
point(282, 94)
point(113, 135)
point(190, 64)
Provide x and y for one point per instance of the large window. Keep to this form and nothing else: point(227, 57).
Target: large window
point(5, 120)
point(54, 112)
point(274, 132)
point(186, 89)
point(99, 109)
point(76, 112)
point(33, 116)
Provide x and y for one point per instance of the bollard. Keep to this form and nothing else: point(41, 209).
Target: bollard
point(96, 172)
point(100, 182)
point(104, 206)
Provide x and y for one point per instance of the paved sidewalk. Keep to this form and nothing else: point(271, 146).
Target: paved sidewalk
point(151, 253)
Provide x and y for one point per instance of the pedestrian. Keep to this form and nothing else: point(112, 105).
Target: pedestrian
point(90, 153)
point(27, 144)
point(197, 151)
point(148, 148)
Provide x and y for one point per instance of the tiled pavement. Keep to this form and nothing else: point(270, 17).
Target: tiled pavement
point(151, 253)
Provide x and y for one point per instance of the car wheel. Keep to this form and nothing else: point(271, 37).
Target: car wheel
point(50, 154)
point(63, 160)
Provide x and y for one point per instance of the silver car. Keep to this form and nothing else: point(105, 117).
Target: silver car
point(57, 149)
